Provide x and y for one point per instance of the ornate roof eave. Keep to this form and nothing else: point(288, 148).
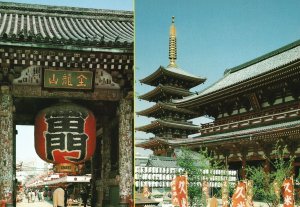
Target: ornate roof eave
point(160, 107)
point(152, 142)
point(199, 99)
point(161, 72)
point(160, 123)
point(166, 90)
point(111, 48)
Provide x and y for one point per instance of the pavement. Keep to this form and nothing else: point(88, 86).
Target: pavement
point(44, 203)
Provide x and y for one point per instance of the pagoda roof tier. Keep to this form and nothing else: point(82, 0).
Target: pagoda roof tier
point(264, 132)
point(255, 72)
point(23, 24)
point(164, 91)
point(172, 74)
point(152, 143)
point(160, 108)
point(168, 124)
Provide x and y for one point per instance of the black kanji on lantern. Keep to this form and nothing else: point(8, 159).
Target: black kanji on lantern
point(77, 142)
point(66, 133)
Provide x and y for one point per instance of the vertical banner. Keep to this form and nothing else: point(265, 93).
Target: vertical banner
point(249, 193)
point(239, 196)
point(179, 191)
point(288, 193)
point(205, 190)
point(174, 193)
point(146, 192)
point(277, 192)
point(225, 193)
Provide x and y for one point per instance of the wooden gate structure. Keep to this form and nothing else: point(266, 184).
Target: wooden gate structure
point(50, 54)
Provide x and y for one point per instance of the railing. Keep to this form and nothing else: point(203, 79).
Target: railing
point(213, 127)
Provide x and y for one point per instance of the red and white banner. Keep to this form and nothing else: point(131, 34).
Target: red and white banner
point(205, 189)
point(179, 191)
point(288, 193)
point(239, 196)
point(174, 193)
point(146, 192)
point(249, 192)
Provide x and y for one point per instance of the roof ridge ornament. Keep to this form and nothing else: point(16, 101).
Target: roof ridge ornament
point(172, 44)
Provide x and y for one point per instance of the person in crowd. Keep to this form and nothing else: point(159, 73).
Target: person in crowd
point(32, 196)
point(59, 197)
point(70, 200)
point(38, 195)
point(84, 197)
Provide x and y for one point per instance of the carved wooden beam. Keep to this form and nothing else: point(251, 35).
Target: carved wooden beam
point(254, 101)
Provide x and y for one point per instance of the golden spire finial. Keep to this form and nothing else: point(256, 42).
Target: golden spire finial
point(172, 44)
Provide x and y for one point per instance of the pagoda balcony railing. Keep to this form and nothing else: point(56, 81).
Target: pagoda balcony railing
point(212, 127)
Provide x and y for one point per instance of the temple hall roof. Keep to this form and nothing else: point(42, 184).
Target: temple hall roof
point(40, 24)
point(249, 70)
point(161, 161)
point(241, 134)
point(228, 136)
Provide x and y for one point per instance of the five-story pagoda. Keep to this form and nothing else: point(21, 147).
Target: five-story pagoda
point(170, 122)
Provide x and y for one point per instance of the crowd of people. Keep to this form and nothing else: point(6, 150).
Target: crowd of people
point(36, 195)
point(60, 196)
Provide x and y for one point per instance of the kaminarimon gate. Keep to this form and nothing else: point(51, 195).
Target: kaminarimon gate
point(51, 55)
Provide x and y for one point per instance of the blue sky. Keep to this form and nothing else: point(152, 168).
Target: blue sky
point(25, 138)
point(211, 36)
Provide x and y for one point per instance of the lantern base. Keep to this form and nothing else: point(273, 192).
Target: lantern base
point(67, 168)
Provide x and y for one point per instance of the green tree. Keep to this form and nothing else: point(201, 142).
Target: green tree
point(194, 164)
point(264, 182)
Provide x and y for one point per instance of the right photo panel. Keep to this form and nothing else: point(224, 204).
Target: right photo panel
point(217, 116)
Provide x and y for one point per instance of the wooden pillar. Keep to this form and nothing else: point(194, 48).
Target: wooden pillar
point(6, 145)
point(105, 166)
point(292, 147)
point(126, 150)
point(244, 152)
point(267, 166)
point(243, 166)
point(267, 149)
point(267, 152)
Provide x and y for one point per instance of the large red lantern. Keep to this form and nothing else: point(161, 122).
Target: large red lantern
point(65, 134)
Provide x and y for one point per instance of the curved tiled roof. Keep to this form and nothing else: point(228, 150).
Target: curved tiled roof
point(250, 70)
point(27, 23)
point(160, 107)
point(240, 134)
point(170, 124)
point(168, 90)
point(161, 161)
point(175, 73)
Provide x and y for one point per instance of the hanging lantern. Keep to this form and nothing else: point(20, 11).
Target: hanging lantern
point(65, 135)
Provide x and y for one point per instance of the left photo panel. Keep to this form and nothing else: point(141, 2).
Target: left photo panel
point(66, 103)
